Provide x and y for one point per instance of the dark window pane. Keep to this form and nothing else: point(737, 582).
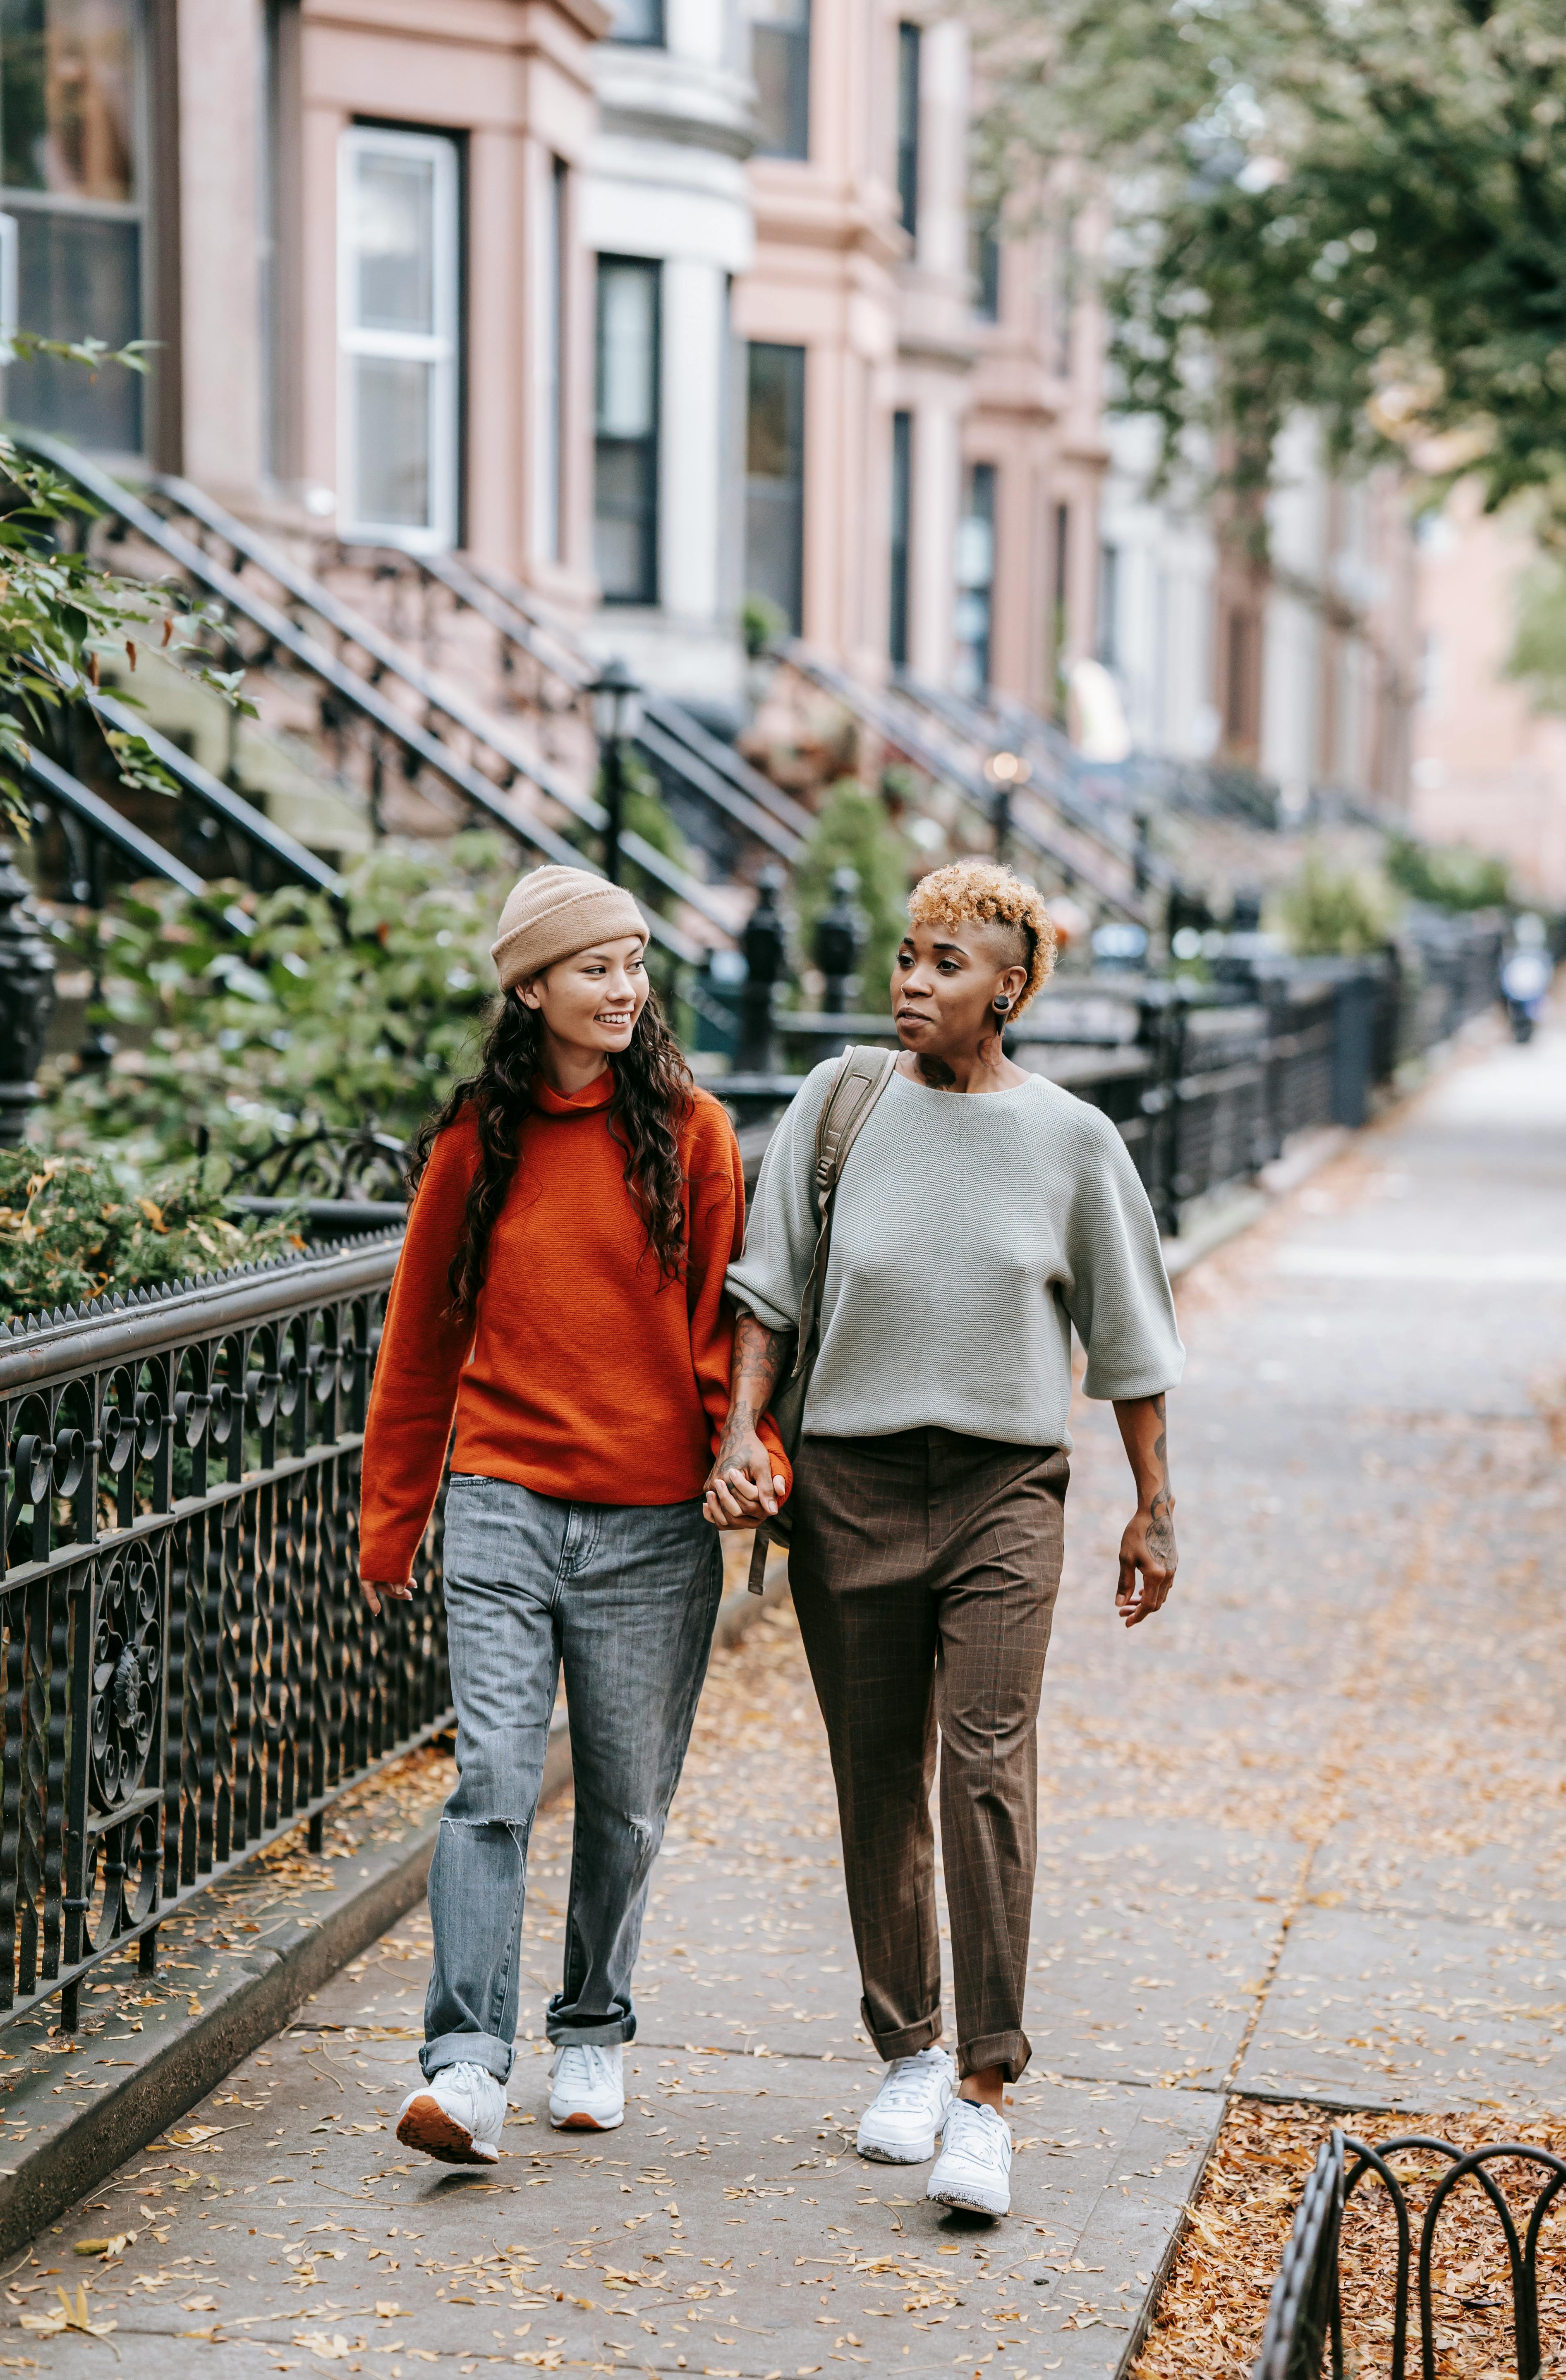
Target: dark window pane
point(908, 127)
point(392, 434)
point(902, 502)
point(780, 67)
point(67, 97)
point(984, 264)
point(774, 477)
point(78, 277)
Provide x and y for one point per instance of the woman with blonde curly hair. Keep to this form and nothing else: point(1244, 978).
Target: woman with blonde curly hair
point(982, 1211)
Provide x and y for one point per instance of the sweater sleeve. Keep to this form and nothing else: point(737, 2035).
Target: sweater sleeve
point(769, 1279)
point(1119, 1296)
point(417, 1367)
point(717, 1234)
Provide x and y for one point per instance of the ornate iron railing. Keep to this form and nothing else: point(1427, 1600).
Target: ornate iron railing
point(188, 1666)
point(1304, 2319)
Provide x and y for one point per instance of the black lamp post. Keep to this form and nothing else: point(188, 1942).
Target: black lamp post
point(617, 700)
point(1005, 771)
point(27, 1001)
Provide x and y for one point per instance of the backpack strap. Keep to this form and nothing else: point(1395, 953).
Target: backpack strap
point(862, 1076)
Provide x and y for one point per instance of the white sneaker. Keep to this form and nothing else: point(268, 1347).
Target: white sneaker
point(457, 2118)
point(587, 2088)
point(899, 2127)
point(973, 2169)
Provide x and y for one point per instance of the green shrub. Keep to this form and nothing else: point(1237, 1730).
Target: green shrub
point(78, 1227)
point(318, 1019)
point(762, 622)
point(852, 829)
point(1335, 912)
point(1447, 876)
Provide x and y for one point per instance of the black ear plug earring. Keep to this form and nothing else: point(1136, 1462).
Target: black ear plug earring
point(1002, 1004)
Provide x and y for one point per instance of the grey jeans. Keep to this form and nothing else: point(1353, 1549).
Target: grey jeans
point(623, 1597)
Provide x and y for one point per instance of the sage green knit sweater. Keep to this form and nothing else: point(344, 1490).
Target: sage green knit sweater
point(970, 1231)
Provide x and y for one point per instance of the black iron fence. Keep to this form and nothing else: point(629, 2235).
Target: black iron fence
point(1305, 2321)
point(188, 1666)
point(1206, 1081)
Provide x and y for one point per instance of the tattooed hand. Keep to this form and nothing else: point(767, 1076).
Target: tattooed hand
point(742, 1487)
point(1148, 1554)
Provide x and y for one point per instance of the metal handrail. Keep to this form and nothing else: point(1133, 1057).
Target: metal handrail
point(100, 818)
point(391, 660)
point(475, 789)
point(663, 710)
point(289, 855)
point(905, 737)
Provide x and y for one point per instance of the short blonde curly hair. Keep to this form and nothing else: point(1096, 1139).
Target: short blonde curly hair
point(978, 892)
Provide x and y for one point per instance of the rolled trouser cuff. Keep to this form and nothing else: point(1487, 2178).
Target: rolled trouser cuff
point(485, 2049)
point(1009, 2051)
point(606, 2032)
point(907, 2040)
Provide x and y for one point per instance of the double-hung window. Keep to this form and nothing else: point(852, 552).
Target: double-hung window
point(73, 173)
point(625, 462)
point(399, 299)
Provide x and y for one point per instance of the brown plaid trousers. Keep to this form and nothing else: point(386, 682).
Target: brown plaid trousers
point(925, 1568)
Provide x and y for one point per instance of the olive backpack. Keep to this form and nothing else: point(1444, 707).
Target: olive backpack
point(862, 1075)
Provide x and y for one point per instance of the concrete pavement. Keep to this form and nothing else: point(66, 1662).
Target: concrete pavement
point(1300, 1835)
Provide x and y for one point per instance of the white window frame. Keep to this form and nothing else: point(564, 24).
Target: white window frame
point(439, 347)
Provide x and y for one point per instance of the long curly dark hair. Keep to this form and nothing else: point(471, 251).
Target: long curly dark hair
point(653, 1094)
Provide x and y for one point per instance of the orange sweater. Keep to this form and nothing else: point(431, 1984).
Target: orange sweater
point(585, 1375)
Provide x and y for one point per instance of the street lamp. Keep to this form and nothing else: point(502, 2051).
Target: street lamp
point(617, 700)
point(1005, 771)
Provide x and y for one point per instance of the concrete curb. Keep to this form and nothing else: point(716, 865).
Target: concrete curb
point(247, 1995)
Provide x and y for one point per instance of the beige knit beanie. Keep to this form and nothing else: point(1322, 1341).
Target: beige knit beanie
point(555, 912)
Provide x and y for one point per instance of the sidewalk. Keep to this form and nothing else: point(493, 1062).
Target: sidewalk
point(1300, 1835)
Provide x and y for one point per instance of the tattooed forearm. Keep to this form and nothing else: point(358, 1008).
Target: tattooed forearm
point(758, 1360)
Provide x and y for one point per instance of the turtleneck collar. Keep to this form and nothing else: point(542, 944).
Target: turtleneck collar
point(593, 1095)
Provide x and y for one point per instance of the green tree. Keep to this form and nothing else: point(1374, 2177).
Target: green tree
point(1538, 648)
point(1335, 912)
point(1359, 210)
point(852, 829)
point(1447, 876)
point(61, 613)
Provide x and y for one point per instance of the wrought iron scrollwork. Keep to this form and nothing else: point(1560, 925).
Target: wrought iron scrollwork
point(186, 1666)
point(128, 1676)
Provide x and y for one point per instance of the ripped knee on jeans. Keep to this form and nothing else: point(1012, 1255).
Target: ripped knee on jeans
point(499, 1781)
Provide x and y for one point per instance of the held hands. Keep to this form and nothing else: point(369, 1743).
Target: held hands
point(742, 1488)
point(1147, 1547)
point(395, 1590)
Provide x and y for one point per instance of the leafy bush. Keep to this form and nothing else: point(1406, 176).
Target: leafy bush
point(762, 622)
point(75, 1227)
point(852, 829)
point(1447, 876)
point(352, 1017)
point(1335, 912)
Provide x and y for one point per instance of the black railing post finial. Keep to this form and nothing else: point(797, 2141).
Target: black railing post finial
point(27, 1001)
point(766, 960)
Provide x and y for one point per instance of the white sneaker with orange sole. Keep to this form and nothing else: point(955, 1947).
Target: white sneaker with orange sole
point(456, 2116)
point(587, 2088)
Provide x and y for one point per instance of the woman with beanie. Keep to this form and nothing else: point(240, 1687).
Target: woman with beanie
point(981, 1212)
point(560, 1289)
